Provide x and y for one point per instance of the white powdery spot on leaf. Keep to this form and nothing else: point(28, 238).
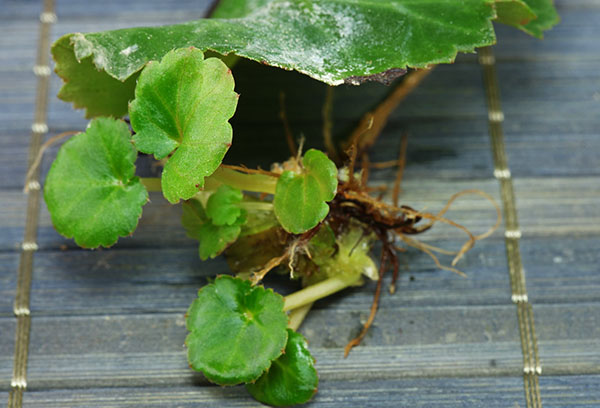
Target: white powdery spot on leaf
point(127, 51)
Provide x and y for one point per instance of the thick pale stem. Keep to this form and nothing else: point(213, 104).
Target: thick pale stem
point(319, 290)
point(260, 183)
point(256, 206)
point(151, 183)
point(297, 316)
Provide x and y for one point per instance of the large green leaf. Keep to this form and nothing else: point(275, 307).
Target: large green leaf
point(91, 190)
point(236, 330)
point(292, 378)
point(334, 41)
point(300, 201)
point(182, 106)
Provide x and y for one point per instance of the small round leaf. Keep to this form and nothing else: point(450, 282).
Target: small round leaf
point(91, 190)
point(292, 378)
point(300, 201)
point(236, 330)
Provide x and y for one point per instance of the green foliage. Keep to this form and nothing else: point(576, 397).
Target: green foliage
point(331, 41)
point(89, 88)
point(292, 378)
point(91, 190)
point(236, 330)
point(532, 16)
point(222, 206)
point(218, 225)
point(301, 198)
point(182, 106)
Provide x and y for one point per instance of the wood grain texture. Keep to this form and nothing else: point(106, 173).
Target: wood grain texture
point(7, 345)
point(570, 391)
point(442, 392)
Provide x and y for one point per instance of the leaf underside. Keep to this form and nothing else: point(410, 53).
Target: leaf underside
point(182, 106)
point(292, 378)
point(300, 199)
point(91, 190)
point(333, 41)
point(236, 330)
point(530, 16)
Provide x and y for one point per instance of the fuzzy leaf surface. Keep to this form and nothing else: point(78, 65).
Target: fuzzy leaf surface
point(292, 378)
point(214, 239)
point(222, 206)
point(182, 106)
point(300, 201)
point(91, 190)
point(236, 330)
point(333, 41)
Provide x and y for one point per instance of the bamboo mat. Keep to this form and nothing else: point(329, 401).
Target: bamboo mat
point(519, 121)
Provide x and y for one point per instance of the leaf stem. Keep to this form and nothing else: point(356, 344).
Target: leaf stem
point(259, 183)
point(297, 316)
point(256, 205)
point(151, 183)
point(319, 290)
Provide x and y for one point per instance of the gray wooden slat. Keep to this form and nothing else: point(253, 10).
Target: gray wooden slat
point(562, 270)
point(566, 207)
point(572, 334)
point(7, 345)
point(574, 37)
point(9, 262)
point(149, 280)
point(570, 391)
point(490, 392)
point(141, 349)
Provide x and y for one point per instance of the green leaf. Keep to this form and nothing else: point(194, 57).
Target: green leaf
point(330, 40)
point(222, 205)
point(91, 190)
point(292, 378)
point(514, 12)
point(214, 239)
point(182, 106)
point(89, 88)
point(300, 199)
point(236, 330)
point(547, 17)
point(237, 8)
point(194, 216)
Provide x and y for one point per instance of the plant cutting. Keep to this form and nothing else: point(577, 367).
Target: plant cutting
point(313, 215)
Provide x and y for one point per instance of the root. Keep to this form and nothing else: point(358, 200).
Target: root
point(356, 341)
point(38, 159)
point(244, 169)
point(372, 123)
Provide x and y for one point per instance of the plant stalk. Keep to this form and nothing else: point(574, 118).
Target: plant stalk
point(259, 183)
point(319, 290)
point(297, 316)
point(151, 183)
